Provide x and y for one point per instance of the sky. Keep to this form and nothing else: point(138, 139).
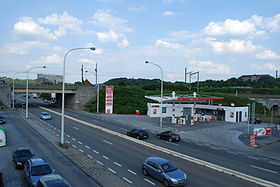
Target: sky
point(220, 39)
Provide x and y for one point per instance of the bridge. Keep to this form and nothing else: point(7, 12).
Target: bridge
point(76, 97)
point(272, 104)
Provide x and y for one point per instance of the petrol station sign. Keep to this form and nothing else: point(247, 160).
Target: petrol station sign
point(109, 90)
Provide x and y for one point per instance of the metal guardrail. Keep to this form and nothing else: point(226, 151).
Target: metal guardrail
point(47, 87)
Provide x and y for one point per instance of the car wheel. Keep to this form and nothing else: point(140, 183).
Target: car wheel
point(144, 171)
point(165, 182)
point(158, 136)
point(138, 137)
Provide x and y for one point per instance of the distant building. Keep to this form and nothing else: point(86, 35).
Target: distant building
point(253, 77)
point(55, 79)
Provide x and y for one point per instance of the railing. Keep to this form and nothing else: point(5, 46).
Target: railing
point(45, 87)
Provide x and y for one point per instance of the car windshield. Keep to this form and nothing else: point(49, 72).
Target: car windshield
point(23, 153)
point(168, 167)
point(41, 170)
point(45, 114)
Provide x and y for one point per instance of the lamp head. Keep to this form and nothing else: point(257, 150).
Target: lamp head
point(92, 48)
point(44, 66)
point(146, 62)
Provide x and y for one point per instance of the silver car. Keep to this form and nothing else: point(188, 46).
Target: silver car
point(45, 115)
point(164, 171)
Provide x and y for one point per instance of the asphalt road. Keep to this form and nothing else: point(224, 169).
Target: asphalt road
point(124, 158)
point(253, 165)
point(19, 133)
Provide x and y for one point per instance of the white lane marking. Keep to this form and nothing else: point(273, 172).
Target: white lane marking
point(112, 170)
point(99, 162)
point(107, 142)
point(275, 163)
point(74, 146)
point(126, 180)
point(131, 172)
point(124, 129)
point(255, 158)
point(87, 147)
point(81, 150)
point(95, 151)
point(118, 164)
point(76, 128)
point(68, 136)
point(268, 170)
point(74, 139)
point(173, 143)
point(105, 157)
point(67, 142)
point(232, 152)
point(242, 153)
point(215, 148)
point(149, 181)
point(80, 143)
point(89, 156)
point(57, 135)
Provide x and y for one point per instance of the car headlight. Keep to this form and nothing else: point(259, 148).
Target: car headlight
point(174, 181)
point(34, 183)
point(19, 163)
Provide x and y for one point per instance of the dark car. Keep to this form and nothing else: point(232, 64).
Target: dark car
point(256, 120)
point(53, 180)
point(169, 136)
point(164, 171)
point(20, 156)
point(138, 133)
point(34, 169)
point(2, 120)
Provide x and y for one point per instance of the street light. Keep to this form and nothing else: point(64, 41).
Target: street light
point(161, 90)
point(97, 88)
point(26, 97)
point(14, 87)
point(249, 118)
point(63, 90)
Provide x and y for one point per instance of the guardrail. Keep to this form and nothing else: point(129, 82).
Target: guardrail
point(41, 86)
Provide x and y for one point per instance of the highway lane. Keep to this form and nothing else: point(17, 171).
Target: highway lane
point(239, 161)
point(125, 157)
point(19, 133)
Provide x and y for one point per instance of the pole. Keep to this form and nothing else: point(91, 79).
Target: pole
point(197, 81)
point(248, 118)
point(97, 91)
point(63, 93)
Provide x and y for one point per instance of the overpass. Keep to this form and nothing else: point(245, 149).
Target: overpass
point(76, 97)
point(273, 104)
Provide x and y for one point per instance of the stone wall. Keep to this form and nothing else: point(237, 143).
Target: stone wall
point(83, 96)
point(5, 95)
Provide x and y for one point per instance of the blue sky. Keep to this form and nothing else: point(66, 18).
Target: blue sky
point(220, 39)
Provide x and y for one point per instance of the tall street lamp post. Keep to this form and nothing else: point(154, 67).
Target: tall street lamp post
point(26, 97)
point(249, 118)
point(161, 89)
point(63, 90)
point(14, 87)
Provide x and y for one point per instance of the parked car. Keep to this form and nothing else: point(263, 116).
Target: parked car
point(2, 120)
point(169, 136)
point(164, 171)
point(45, 115)
point(53, 180)
point(138, 133)
point(20, 156)
point(255, 120)
point(34, 169)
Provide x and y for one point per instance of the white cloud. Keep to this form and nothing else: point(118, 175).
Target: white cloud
point(49, 59)
point(264, 67)
point(85, 60)
point(137, 9)
point(209, 67)
point(110, 36)
point(162, 43)
point(123, 43)
point(268, 55)
point(105, 19)
point(168, 13)
point(273, 23)
point(22, 48)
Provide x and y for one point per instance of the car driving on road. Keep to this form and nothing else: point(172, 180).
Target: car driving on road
point(2, 120)
point(20, 156)
point(138, 133)
point(169, 136)
point(34, 169)
point(53, 180)
point(45, 115)
point(164, 171)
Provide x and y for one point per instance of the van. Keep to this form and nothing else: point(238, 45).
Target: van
point(2, 137)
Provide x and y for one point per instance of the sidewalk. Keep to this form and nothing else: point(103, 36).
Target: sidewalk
point(217, 133)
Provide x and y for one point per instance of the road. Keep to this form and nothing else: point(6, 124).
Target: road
point(124, 158)
point(19, 133)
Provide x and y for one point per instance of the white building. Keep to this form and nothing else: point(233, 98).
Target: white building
point(177, 107)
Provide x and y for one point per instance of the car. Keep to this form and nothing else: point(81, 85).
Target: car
point(169, 136)
point(138, 133)
point(34, 169)
point(2, 120)
point(20, 156)
point(255, 120)
point(53, 180)
point(45, 115)
point(164, 171)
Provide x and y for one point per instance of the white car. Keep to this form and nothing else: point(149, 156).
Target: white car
point(45, 115)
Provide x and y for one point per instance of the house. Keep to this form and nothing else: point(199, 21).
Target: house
point(253, 77)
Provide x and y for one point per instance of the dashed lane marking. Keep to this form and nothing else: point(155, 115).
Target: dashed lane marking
point(68, 136)
point(117, 164)
point(268, 170)
point(81, 150)
point(131, 172)
point(105, 157)
point(147, 180)
point(275, 163)
point(80, 143)
point(255, 158)
point(126, 180)
point(74, 139)
point(76, 128)
point(107, 142)
point(112, 170)
point(87, 147)
point(74, 146)
point(89, 156)
point(95, 151)
point(99, 162)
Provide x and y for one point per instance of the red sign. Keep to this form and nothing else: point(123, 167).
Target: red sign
point(264, 131)
point(109, 99)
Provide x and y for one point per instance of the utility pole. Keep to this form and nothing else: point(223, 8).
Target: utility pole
point(193, 73)
point(185, 75)
point(82, 71)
